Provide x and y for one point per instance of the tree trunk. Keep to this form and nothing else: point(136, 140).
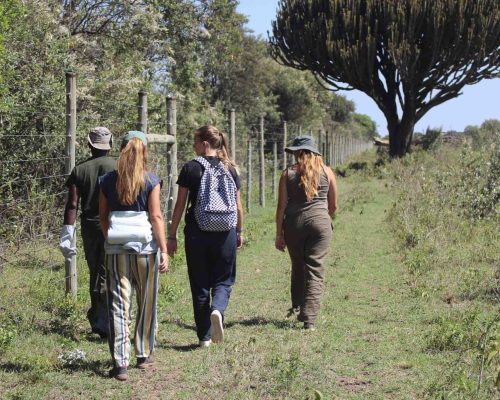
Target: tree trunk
point(400, 135)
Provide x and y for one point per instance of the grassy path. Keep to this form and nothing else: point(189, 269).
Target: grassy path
point(367, 346)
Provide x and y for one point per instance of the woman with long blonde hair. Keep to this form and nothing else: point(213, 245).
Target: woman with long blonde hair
point(136, 251)
point(210, 250)
point(307, 199)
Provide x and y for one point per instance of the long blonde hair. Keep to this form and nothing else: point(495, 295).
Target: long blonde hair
point(309, 167)
point(218, 141)
point(132, 166)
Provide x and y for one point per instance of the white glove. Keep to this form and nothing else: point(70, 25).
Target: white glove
point(66, 241)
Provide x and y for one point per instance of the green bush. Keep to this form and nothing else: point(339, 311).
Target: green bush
point(7, 335)
point(445, 220)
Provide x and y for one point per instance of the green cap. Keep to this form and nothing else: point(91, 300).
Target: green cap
point(134, 134)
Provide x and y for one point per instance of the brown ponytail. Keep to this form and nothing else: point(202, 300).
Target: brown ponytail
point(218, 141)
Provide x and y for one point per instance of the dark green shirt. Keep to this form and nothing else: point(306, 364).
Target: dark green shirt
point(84, 176)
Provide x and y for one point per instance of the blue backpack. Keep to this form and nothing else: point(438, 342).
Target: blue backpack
point(215, 209)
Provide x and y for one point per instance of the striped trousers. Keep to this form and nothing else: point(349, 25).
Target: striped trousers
point(124, 271)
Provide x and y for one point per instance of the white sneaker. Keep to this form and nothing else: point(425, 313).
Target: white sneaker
point(205, 343)
point(217, 329)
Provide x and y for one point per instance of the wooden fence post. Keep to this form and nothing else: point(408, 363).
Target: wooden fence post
point(327, 148)
point(334, 150)
point(172, 130)
point(285, 141)
point(262, 160)
point(320, 141)
point(249, 175)
point(70, 265)
point(232, 123)
point(142, 109)
point(275, 168)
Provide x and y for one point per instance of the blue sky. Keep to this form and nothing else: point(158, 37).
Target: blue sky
point(477, 103)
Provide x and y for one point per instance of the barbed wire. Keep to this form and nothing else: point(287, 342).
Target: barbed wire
point(41, 177)
point(31, 199)
point(160, 161)
point(35, 159)
point(34, 135)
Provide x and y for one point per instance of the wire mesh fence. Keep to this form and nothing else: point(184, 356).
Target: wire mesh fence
point(37, 159)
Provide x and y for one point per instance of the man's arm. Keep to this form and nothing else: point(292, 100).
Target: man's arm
point(71, 208)
point(66, 241)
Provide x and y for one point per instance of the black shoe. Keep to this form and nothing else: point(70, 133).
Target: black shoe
point(102, 334)
point(145, 362)
point(309, 327)
point(119, 373)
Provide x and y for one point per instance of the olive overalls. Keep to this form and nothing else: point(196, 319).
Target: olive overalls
point(308, 234)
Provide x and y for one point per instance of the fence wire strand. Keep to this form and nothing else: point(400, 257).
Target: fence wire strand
point(37, 217)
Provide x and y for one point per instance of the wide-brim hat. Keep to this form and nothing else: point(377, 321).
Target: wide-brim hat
point(100, 138)
point(303, 143)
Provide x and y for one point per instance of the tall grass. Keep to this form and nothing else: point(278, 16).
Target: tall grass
point(446, 220)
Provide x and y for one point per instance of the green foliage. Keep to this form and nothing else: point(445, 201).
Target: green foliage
point(480, 185)
point(431, 138)
point(341, 108)
point(169, 291)
point(287, 369)
point(452, 334)
point(384, 48)
point(367, 125)
point(482, 136)
point(7, 335)
point(66, 318)
point(446, 220)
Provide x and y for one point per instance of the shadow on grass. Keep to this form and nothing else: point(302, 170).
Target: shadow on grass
point(97, 367)
point(258, 321)
point(179, 323)
point(181, 348)
point(255, 321)
point(15, 367)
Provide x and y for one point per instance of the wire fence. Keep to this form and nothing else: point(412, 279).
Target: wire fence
point(36, 161)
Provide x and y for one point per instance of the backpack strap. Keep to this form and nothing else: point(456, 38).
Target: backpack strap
point(206, 164)
point(201, 160)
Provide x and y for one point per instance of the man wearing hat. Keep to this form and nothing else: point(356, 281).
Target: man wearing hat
point(83, 186)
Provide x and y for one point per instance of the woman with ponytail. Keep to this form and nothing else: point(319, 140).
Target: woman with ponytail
point(307, 199)
point(136, 251)
point(210, 243)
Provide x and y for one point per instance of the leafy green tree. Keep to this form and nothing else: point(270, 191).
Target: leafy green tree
point(340, 109)
point(367, 125)
point(298, 97)
point(407, 55)
point(10, 10)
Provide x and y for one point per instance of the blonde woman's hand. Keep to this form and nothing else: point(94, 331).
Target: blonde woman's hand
point(163, 267)
point(280, 243)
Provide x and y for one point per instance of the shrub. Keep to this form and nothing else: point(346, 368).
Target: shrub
point(7, 335)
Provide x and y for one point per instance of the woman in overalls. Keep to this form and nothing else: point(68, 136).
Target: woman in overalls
point(306, 201)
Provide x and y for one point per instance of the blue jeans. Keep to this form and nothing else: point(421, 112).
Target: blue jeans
point(211, 262)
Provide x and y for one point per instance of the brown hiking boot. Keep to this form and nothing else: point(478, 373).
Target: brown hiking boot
point(119, 373)
point(145, 362)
